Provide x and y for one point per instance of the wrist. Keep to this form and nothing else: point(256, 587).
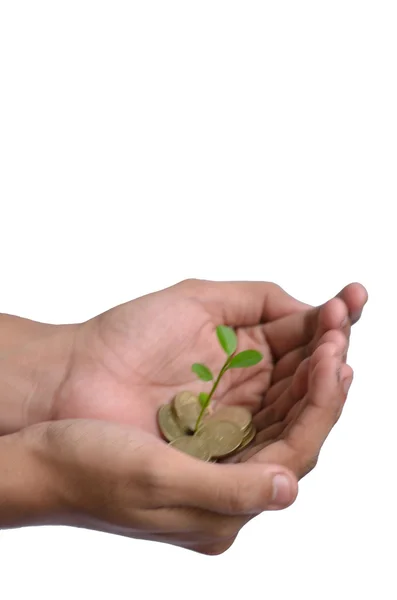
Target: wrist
point(34, 359)
point(29, 491)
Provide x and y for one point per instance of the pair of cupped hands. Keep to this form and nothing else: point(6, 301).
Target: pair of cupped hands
point(103, 445)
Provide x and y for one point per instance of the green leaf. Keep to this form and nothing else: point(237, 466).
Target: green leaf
point(247, 358)
point(227, 339)
point(202, 372)
point(203, 397)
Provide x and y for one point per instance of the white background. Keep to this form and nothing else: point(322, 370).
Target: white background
point(144, 142)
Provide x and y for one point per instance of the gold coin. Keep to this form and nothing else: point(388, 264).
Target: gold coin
point(169, 426)
point(187, 409)
point(248, 437)
point(239, 415)
point(221, 437)
point(192, 445)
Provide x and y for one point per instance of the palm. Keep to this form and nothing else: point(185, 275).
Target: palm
point(130, 360)
point(136, 357)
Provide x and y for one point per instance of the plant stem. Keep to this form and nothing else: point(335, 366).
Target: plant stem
point(222, 371)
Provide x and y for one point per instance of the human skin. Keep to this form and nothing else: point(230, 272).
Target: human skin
point(81, 405)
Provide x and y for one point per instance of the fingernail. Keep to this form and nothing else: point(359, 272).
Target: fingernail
point(282, 491)
point(346, 385)
point(356, 316)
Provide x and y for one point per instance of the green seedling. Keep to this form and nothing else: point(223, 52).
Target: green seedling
point(228, 341)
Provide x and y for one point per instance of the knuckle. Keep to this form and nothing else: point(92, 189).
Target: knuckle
point(216, 548)
point(339, 414)
point(190, 283)
point(273, 290)
point(150, 474)
point(275, 287)
point(238, 499)
point(310, 465)
point(146, 480)
point(337, 411)
point(335, 407)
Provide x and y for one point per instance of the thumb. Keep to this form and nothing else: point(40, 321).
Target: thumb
point(231, 489)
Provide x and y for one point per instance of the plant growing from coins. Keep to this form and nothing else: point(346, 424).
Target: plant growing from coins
point(186, 422)
point(228, 341)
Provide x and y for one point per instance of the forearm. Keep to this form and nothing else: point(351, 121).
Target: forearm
point(34, 358)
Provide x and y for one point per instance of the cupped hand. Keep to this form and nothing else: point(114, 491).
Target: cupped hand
point(122, 480)
point(128, 361)
point(296, 419)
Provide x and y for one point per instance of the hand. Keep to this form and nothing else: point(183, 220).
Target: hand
point(135, 357)
point(296, 419)
point(128, 361)
point(122, 480)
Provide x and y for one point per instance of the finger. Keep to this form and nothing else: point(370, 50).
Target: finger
point(278, 411)
point(298, 330)
point(145, 526)
point(271, 422)
point(275, 391)
point(270, 433)
point(288, 364)
point(188, 524)
point(299, 448)
point(328, 385)
point(346, 375)
point(273, 434)
point(243, 304)
point(226, 489)
point(246, 389)
point(355, 297)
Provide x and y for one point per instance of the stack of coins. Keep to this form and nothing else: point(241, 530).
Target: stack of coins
point(220, 434)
